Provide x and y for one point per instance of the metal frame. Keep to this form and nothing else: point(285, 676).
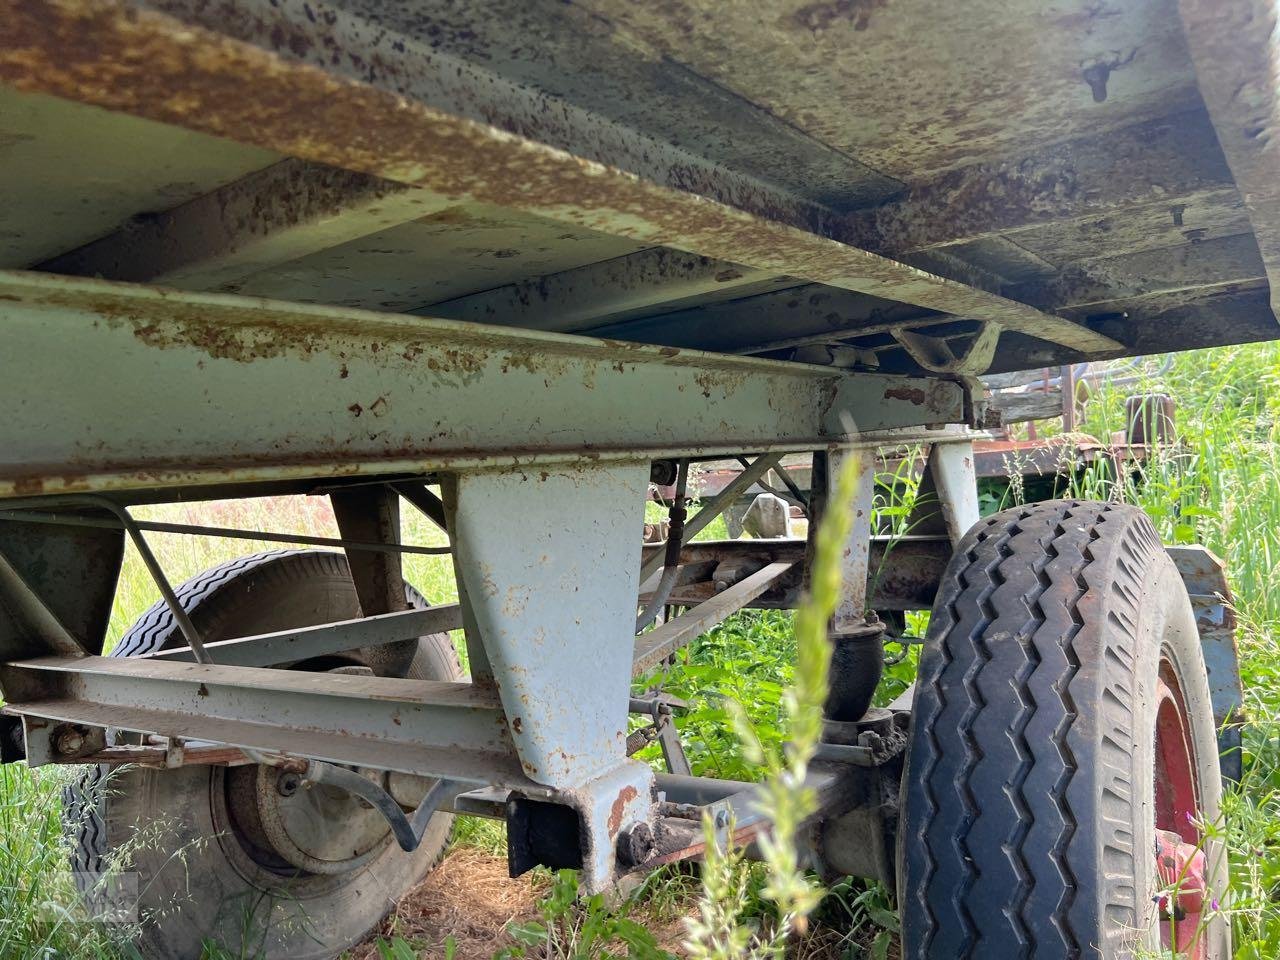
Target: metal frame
point(551, 649)
point(380, 394)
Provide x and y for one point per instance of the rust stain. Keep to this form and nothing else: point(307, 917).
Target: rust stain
point(625, 796)
point(913, 395)
point(823, 15)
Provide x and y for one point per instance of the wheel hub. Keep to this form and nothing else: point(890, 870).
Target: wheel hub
point(1182, 871)
point(291, 826)
point(1180, 862)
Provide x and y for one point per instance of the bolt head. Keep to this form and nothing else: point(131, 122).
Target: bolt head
point(287, 783)
point(870, 740)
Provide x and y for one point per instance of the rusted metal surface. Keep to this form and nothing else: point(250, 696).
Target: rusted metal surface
point(966, 82)
point(1161, 164)
point(810, 314)
point(1235, 313)
point(438, 57)
point(372, 513)
point(418, 726)
point(852, 605)
point(150, 756)
point(1131, 277)
point(1234, 48)
point(948, 490)
point(129, 60)
point(122, 371)
point(214, 241)
point(50, 206)
point(602, 295)
point(1105, 214)
point(1205, 577)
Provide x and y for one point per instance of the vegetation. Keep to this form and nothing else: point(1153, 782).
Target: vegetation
point(1219, 486)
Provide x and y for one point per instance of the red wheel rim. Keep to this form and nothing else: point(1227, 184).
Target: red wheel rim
point(1180, 861)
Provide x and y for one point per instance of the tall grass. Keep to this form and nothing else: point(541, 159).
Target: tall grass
point(41, 914)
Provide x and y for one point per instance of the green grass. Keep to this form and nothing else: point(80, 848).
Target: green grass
point(1221, 487)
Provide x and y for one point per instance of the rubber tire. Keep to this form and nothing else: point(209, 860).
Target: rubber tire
point(181, 854)
point(1027, 829)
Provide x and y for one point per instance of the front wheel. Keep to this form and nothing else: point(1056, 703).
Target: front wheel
point(1062, 760)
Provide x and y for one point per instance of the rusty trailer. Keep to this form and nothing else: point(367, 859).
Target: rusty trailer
point(510, 263)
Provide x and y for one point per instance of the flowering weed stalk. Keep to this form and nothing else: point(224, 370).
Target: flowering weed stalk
point(717, 931)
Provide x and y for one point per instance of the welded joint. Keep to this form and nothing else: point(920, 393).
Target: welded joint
point(936, 355)
point(596, 827)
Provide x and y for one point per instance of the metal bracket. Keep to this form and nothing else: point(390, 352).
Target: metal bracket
point(936, 355)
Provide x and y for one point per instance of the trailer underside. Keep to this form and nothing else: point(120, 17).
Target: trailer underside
point(536, 256)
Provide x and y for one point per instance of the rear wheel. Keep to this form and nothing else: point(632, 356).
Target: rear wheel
point(239, 856)
point(1062, 753)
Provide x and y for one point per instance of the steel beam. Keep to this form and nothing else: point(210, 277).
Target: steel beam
point(432, 728)
point(1097, 285)
point(387, 124)
point(811, 313)
point(610, 292)
point(662, 641)
point(112, 376)
point(1074, 181)
point(855, 564)
point(307, 643)
point(1235, 48)
point(295, 208)
point(1236, 313)
point(547, 565)
point(951, 482)
point(214, 242)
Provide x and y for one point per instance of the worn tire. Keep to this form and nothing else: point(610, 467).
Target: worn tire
point(195, 882)
point(1028, 828)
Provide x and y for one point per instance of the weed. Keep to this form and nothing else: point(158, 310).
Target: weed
point(579, 928)
point(717, 931)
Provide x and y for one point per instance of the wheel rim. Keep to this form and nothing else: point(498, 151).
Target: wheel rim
point(1180, 860)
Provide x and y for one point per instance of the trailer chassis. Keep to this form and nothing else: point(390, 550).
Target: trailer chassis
point(541, 499)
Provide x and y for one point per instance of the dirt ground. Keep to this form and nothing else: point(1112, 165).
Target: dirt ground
point(470, 897)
